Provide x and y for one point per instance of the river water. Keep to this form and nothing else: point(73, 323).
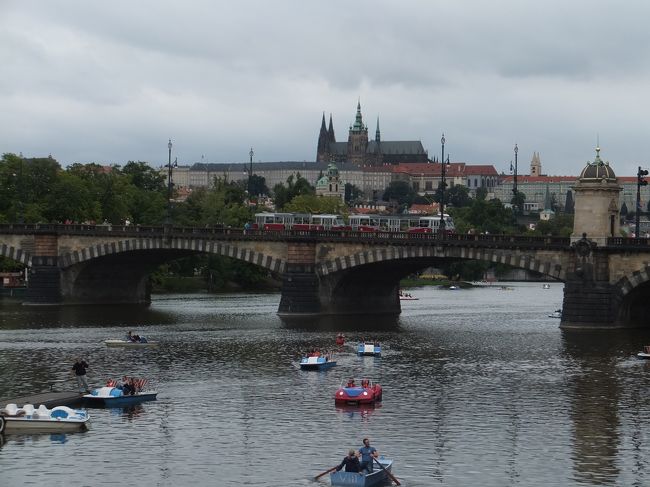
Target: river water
point(480, 387)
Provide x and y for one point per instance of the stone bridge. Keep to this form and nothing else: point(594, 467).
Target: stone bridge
point(326, 272)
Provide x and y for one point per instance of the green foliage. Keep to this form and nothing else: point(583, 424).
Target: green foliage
point(310, 203)
point(481, 216)
point(295, 187)
point(481, 193)
point(518, 201)
point(352, 193)
point(400, 191)
point(257, 185)
point(144, 177)
point(559, 226)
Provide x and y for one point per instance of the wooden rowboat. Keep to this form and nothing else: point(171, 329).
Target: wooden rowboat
point(378, 475)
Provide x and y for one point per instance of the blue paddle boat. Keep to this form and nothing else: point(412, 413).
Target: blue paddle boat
point(115, 397)
point(378, 475)
point(367, 348)
point(316, 363)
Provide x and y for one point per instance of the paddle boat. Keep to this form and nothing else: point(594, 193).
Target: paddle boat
point(112, 396)
point(317, 362)
point(357, 392)
point(546, 286)
point(556, 314)
point(645, 354)
point(28, 419)
point(376, 477)
point(368, 348)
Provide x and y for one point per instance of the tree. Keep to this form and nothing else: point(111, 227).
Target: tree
point(481, 193)
point(295, 187)
point(401, 191)
point(145, 177)
point(310, 203)
point(517, 201)
point(257, 185)
point(352, 193)
point(458, 196)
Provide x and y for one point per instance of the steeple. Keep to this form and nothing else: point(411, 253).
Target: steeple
point(358, 121)
point(377, 133)
point(323, 147)
point(332, 137)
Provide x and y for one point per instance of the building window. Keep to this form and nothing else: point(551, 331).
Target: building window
point(416, 186)
point(428, 185)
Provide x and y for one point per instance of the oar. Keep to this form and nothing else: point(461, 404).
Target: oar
point(325, 472)
point(392, 477)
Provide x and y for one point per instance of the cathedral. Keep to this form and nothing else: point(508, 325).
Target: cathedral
point(363, 152)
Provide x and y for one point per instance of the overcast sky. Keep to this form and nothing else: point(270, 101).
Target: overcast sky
point(112, 81)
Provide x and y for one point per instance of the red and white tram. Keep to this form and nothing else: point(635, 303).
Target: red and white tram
point(357, 223)
point(299, 221)
point(400, 223)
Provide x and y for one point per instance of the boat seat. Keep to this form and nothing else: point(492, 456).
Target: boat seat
point(42, 411)
point(29, 409)
point(11, 409)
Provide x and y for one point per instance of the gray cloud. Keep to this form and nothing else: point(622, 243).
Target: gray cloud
point(110, 82)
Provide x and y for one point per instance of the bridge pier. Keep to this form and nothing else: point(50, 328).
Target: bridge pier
point(44, 285)
point(590, 301)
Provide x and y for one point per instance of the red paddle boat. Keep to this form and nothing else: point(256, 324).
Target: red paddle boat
point(355, 392)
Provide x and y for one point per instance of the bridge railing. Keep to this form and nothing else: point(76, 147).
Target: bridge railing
point(220, 231)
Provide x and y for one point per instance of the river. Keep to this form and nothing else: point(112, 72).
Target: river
point(480, 387)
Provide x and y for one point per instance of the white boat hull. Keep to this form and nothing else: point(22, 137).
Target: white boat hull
point(20, 425)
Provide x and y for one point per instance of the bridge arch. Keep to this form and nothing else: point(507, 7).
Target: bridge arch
point(632, 292)
point(16, 254)
point(75, 257)
point(514, 258)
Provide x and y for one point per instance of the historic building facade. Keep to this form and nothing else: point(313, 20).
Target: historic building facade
point(361, 151)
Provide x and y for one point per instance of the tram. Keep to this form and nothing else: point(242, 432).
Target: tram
point(298, 221)
point(358, 223)
point(400, 223)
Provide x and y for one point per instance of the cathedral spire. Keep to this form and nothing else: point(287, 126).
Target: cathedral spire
point(358, 121)
point(323, 142)
point(332, 137)
point(377, 133)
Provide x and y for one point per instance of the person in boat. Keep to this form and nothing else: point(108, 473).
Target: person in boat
point(130, 337)
point(365, 383)
point(351, 382)
point(79, 369)
point(350, 462)
point(127, 386)
point(367, 453)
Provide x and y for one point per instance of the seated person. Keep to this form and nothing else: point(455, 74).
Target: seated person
point(365, 383)
point(351, 383)
point(351, 463)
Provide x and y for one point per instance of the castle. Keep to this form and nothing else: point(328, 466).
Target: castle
point(360, 151)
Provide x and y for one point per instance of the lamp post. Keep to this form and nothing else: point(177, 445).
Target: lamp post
point(514, 185)
point(250, 174)
point(168, 220)
point(640, 181)
point(443, 184)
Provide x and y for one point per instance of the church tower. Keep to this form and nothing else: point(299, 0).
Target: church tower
point(358, 140)
point(322, 152)
point(535, 165)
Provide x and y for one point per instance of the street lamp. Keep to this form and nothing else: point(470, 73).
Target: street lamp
point(443, 184)
point(170, 184)
point(250, 174)
point(514, 185)
point(640, 181)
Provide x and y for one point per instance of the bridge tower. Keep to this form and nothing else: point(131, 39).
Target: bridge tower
point(596, 203)
point(590, 300)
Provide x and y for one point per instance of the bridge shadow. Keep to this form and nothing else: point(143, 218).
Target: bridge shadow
point(344, 323)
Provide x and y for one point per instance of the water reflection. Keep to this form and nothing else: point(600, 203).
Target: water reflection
point(344, 323)
point(595, 394)
point(362, 412)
